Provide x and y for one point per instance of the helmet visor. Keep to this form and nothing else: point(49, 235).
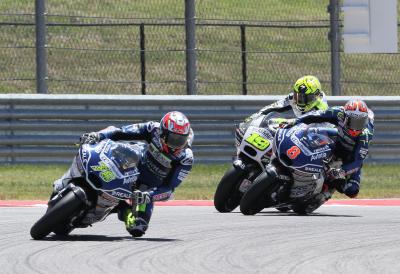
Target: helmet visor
point(358, 123)
point(302, 99)
point(174, 140)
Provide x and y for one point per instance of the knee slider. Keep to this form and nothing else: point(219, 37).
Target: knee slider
point(351, 189)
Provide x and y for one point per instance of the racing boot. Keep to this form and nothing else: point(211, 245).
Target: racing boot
point(135, 226)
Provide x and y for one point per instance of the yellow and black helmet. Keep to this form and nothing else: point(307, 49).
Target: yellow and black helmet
point(307, 92)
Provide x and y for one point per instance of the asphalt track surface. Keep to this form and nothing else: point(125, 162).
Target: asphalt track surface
point(197, 239)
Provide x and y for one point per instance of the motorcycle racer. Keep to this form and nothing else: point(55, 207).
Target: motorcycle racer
point(306, 96)
point(166, 162)
point(355, 123)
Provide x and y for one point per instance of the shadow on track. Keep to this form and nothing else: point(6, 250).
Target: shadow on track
point(278, 213)
point(315, 214)
point(157, 239)
point(102, 238)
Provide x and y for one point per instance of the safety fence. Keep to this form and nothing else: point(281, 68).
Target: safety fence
point(43, 128)
point(140, 47)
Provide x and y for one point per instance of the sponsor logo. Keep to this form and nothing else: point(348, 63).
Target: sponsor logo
point(162, 196)
point(351, 171)
point(313, 169)
point(120, 194)
point(130, 180)
point(340, 115)
point(99, 147)
point(156, 170)
point(131, 173)
point(291, 132)
point(84, 154)
point(280, 135)
point(188, 160)
point(318, 156)
point(151, 126)
point(302, 147)
point(159, 156)
point(131, 128)
point(363, 153)
point(106, 148)
point(284, 177)
point(322, 149)
point(183, 174)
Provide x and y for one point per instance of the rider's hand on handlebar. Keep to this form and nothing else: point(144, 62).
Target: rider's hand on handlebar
point(336, 173)
point(288, 123)
point(89, 138)
point(142, 197)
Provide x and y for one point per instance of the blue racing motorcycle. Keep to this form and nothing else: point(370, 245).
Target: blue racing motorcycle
point(104, 174)
point(296, 177)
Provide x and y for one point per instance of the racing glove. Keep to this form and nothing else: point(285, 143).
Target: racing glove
point(142, 197)
point(89, 138)
point(288, 123)
point(335, 173)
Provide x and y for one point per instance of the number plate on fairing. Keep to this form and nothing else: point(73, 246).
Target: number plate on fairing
point(256, 143)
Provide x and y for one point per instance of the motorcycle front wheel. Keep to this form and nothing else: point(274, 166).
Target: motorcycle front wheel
point(60, 213)
point(255, 198)
point(227, 196)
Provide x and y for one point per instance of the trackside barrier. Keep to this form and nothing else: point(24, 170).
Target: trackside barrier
point(40, 128)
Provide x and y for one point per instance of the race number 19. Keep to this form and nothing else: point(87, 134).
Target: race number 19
point(258, 141)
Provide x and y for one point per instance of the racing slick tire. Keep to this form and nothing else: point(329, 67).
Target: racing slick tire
point(256, 197)
point(227, 195)
point(60, 213)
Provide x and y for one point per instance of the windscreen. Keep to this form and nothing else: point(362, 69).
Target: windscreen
point(124, 157)
point(317, 138)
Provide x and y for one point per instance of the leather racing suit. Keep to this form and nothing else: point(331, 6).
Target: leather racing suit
point(288, 104)
point(351, 150)
point(160, 172)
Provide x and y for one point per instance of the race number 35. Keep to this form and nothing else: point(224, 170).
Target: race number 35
point(293, 152)
point(258, 141)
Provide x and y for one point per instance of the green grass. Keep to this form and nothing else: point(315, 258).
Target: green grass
point(24, 182)
point(111, 53)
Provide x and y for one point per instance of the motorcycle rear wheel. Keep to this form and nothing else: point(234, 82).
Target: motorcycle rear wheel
point(227, 195)
point(255, 198)
point(60, 213)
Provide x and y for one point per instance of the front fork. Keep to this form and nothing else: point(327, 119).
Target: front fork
point(78, 191)
point(252, 170)
point(134, 206)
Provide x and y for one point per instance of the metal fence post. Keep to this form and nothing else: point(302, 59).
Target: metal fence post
point(190, 27)
point(142, 59)
point(41, 59)
point(244, 58)
point(334, 37)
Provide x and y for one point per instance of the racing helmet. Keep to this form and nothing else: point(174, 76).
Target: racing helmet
point(307, 93)
point(356, 117)
point(174, 131)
